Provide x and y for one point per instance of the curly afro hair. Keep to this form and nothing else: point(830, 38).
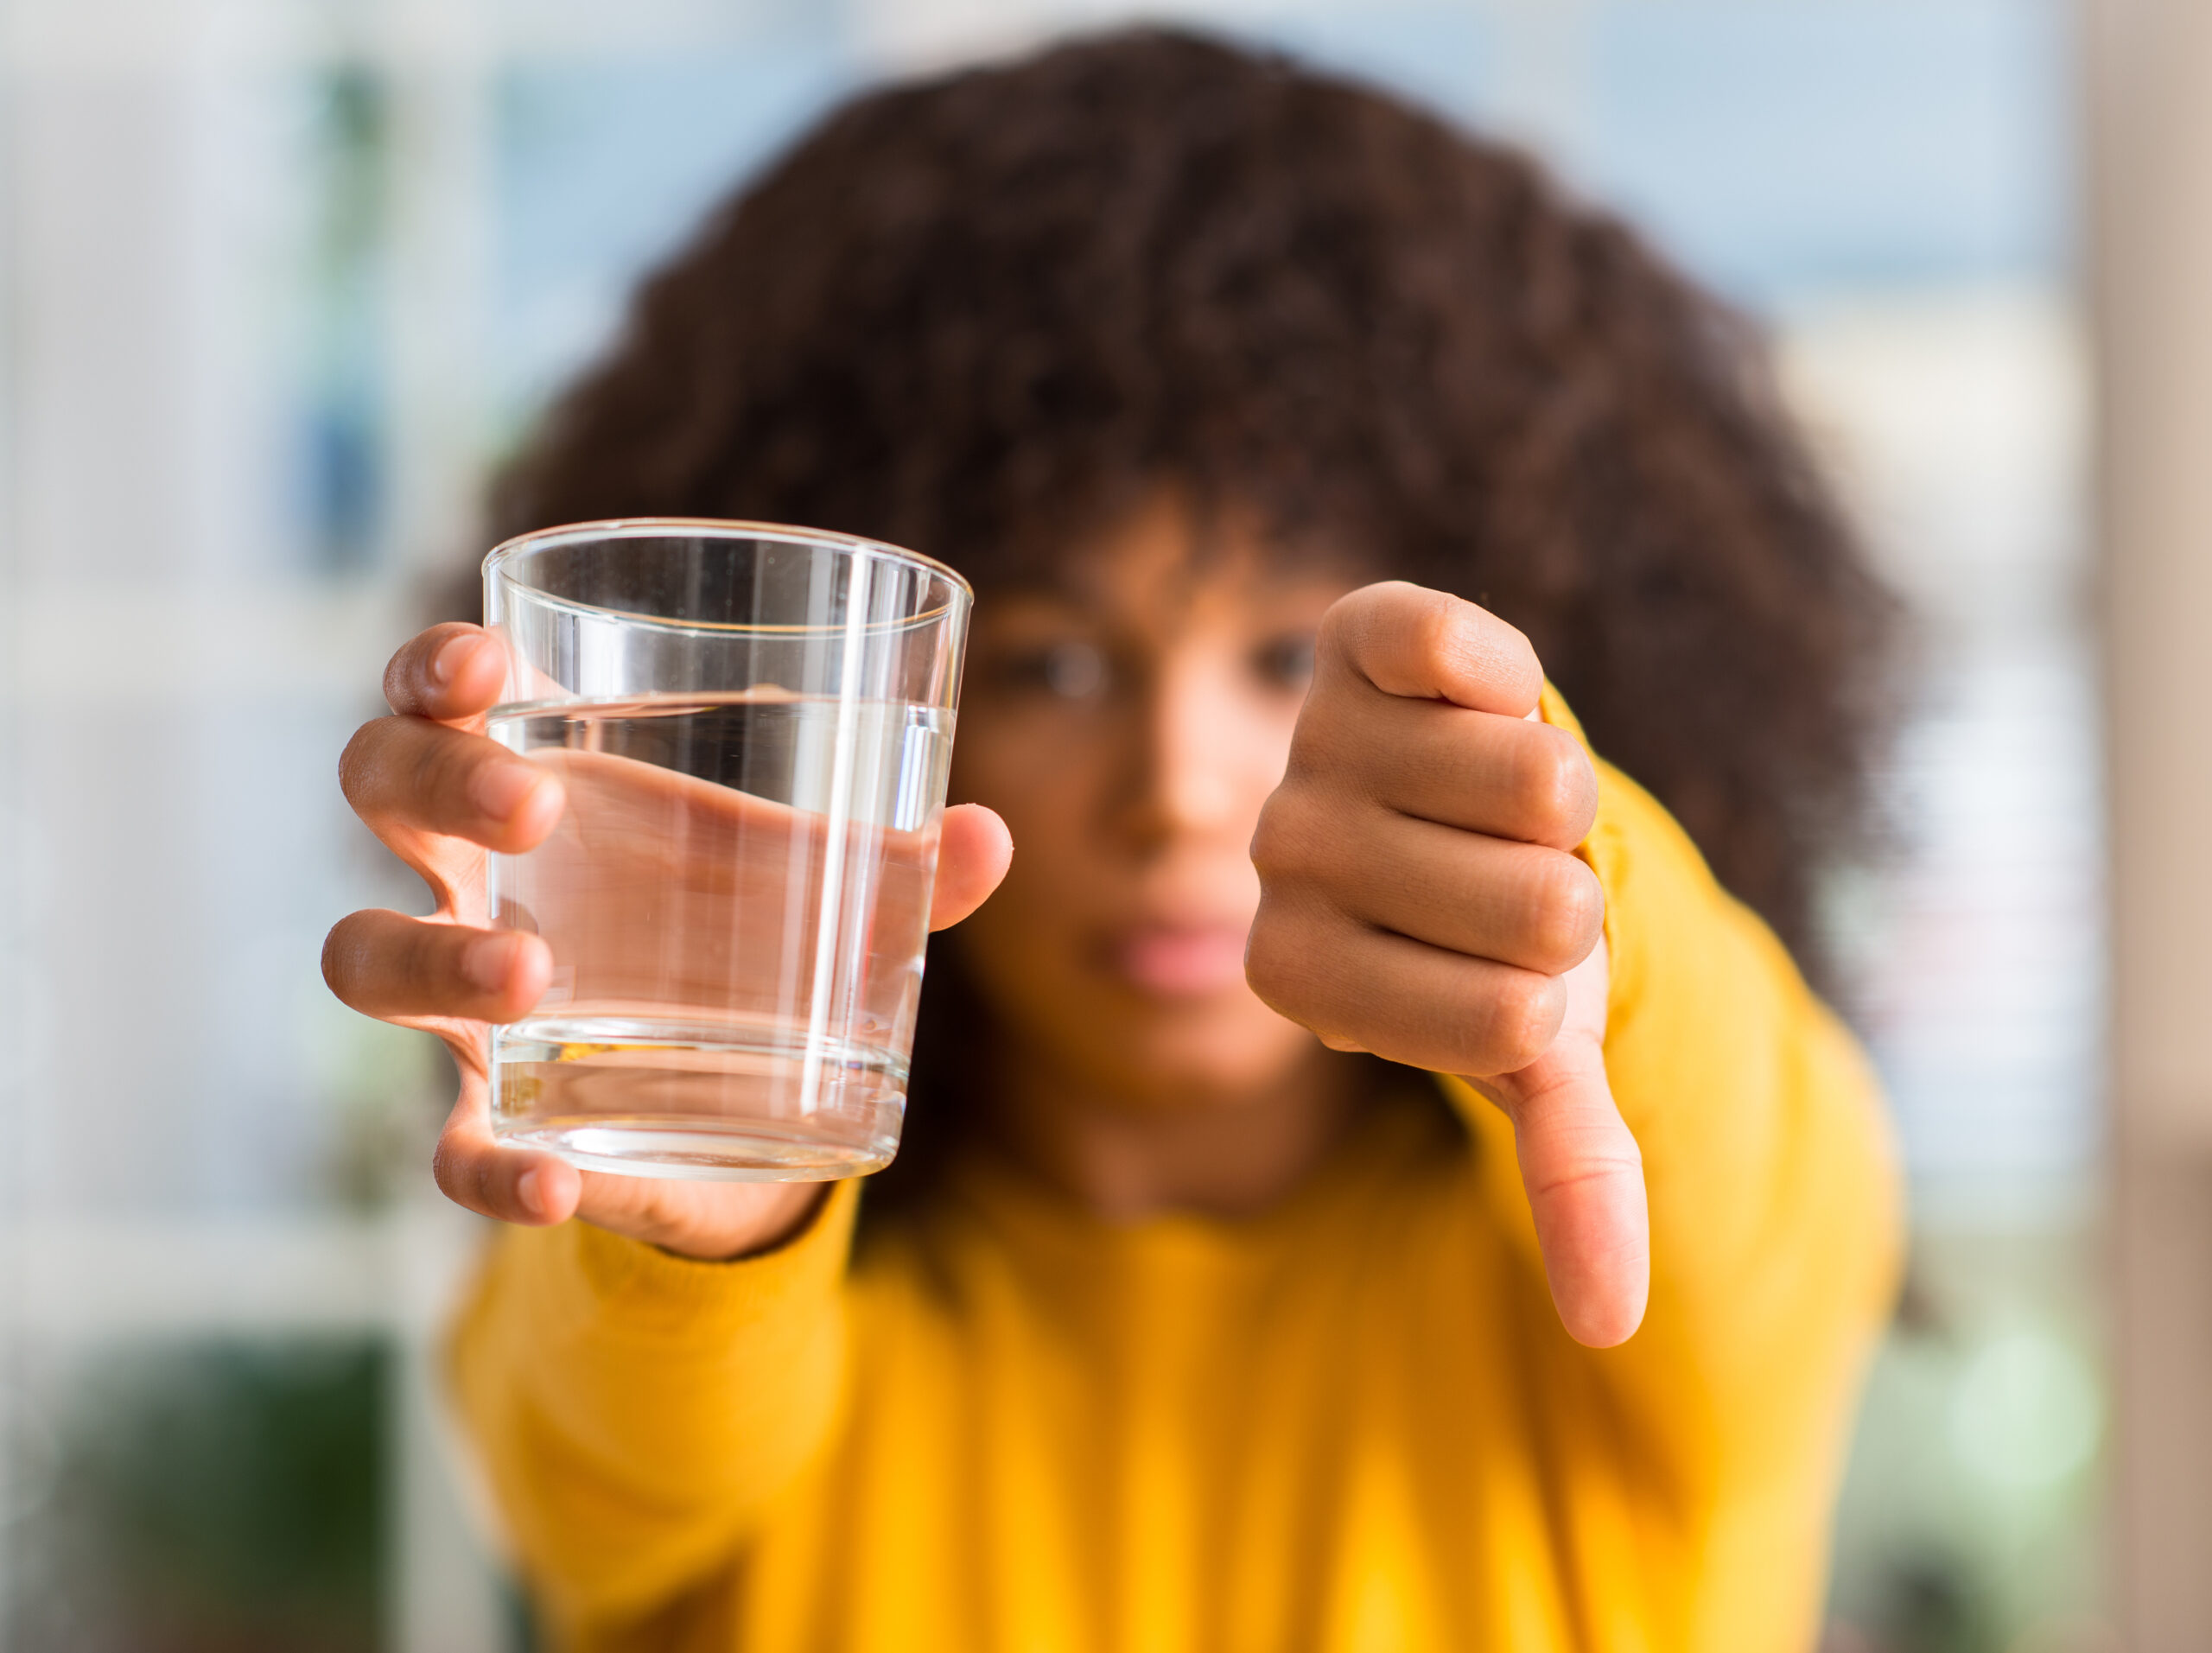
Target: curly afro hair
point(965, 313)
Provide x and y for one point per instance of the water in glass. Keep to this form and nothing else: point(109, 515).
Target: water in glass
point(737, 899)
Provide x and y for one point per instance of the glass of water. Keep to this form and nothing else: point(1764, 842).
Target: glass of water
point(754, 726)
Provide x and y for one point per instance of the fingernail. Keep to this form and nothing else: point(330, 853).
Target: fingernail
point(487, 961)
point(448, 660)
point(530, 1192)
point(499, 788)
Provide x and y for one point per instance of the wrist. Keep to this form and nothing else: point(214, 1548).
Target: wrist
point(773, 1217)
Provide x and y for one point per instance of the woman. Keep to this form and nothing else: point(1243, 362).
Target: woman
point(1291, 440)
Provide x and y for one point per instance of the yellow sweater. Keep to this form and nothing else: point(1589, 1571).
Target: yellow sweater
point(1353, 1423)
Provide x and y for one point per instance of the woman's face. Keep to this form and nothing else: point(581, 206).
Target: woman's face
point(1128, 725)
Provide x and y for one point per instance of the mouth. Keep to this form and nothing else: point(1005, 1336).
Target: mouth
point(1179, 961)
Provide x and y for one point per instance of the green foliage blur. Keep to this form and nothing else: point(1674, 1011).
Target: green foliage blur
point(213, 1498)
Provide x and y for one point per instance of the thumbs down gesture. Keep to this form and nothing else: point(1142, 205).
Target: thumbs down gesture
point(1421, 900)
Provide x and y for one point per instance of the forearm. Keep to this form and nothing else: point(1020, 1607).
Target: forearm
point(636, 1413)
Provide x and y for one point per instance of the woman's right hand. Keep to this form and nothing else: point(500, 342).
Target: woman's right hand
point(439, 793)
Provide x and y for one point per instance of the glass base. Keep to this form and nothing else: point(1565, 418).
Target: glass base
point(699, 1150)
point(658, 1096)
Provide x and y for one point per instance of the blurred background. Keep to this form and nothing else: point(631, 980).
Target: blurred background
point(279, 279)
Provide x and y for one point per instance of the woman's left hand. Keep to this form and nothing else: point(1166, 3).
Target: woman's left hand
point(1421, 900)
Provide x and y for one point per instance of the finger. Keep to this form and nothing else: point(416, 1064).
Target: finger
point(973, 855)
point(1584, 1174)
point(1504, 776)
point(1427, 645)
point(1403, 1000)
point(410, 773)
point(511, 1184)
point(387, 965)
point(1517, 902)
point(448, 672)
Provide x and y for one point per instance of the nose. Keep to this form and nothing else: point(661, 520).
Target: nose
point(1193, 758)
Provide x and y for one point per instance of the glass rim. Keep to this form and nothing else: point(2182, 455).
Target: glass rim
point(501, 558)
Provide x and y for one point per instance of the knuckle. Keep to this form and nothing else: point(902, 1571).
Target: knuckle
point(337, 957)
point(1283, 848)
point(406, 673)
point(465, 1174)
point(1264, 954)
point(1566, 906)
point(1363, 621)
point(1434, 631)
point(357, 764)
point(1387, 597)
point(1266, 848)
point(1525, 1009)
point(1279, 962)
point(399, 674)
point(1515, 652)
point(1584, 907)
point(447, 1172)
point(1339, 623)
point(462, 1178)
point(1557, 786)
point(1346, 634)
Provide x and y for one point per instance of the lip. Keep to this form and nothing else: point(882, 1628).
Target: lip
point(1179, 961)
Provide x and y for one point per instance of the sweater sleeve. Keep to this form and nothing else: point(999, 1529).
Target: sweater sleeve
point(635, 1413)
point(1776, 1222)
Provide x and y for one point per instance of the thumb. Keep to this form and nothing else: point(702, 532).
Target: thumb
point(973, 853)
point(1582, 1170)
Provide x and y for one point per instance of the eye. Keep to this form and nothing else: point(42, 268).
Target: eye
point(1285, 662)
point(1069, 670)
point(1075, 671)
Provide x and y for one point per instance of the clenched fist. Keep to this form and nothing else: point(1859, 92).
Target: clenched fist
point(1421, 900)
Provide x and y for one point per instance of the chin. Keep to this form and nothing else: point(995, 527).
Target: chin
point(1201, 1054)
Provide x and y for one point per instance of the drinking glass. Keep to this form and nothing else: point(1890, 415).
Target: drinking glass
point(754, 725)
